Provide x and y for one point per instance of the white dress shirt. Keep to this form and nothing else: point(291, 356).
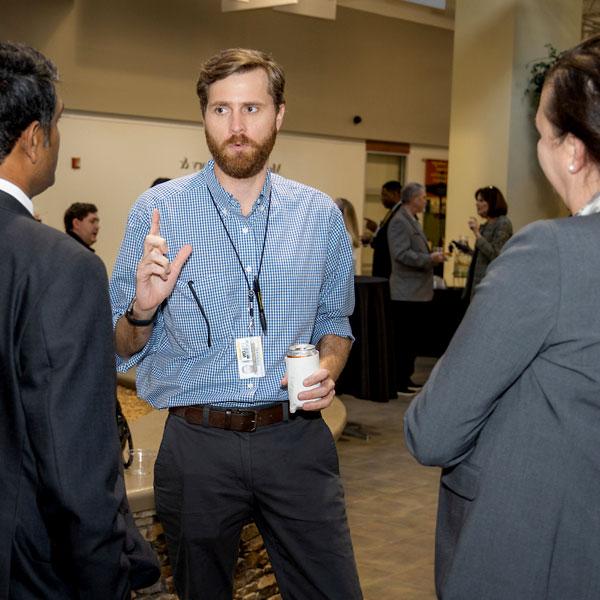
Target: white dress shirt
point(16, 192)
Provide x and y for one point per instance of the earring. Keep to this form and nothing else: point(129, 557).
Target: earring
point(571, 168)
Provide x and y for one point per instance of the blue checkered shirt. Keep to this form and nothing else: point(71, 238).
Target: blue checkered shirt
point(306, 283)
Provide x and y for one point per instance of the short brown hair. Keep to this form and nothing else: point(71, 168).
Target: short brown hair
point(240, 60)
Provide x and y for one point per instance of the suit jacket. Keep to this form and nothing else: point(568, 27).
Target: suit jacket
point(382, 265)
point(494, 234)
point(60, 533)
point(412, 267)
point(512, 414)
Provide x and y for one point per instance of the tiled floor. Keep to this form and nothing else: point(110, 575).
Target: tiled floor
point(391, 502)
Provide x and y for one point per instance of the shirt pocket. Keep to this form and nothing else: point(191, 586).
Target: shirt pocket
point(199, 315)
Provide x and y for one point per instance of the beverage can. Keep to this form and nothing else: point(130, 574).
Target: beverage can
point(301, 361)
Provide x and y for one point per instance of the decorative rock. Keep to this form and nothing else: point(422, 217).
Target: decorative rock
point(254, 578)
point(266, 581)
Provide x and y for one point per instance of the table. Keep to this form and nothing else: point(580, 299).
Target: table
point(370, 371)
point(444, 314)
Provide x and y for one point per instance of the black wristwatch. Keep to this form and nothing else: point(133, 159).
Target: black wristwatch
point(137, 322)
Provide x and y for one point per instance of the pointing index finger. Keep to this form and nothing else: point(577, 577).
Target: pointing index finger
point(155, 227)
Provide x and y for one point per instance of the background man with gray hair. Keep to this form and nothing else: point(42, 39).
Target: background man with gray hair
point(411, 282)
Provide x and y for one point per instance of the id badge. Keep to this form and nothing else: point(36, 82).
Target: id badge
point(250, 359)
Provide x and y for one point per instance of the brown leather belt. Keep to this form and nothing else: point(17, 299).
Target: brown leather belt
point(236, 419)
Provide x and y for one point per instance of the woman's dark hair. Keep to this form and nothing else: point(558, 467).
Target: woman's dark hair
point(495, 200)
point(27, 93)
point(574, 100)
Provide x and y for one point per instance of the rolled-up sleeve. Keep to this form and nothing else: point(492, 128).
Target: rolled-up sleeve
point(336, 302)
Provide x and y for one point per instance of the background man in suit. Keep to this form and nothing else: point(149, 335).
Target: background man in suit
point(59, 536)
point(377, 237)
point(82, 223)
point(411, 282)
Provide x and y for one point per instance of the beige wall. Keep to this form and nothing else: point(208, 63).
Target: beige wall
point(120, 157)
point(141, 57)
point(492, 136)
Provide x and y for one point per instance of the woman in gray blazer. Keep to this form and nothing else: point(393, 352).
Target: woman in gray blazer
point(489, 237)
point(511, 412)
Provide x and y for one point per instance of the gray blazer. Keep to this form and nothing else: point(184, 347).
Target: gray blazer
point(512, 414)
point(494, 234)
point(412, 268)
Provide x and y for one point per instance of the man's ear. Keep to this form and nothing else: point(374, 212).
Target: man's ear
point(31, 140)
point(279, 117)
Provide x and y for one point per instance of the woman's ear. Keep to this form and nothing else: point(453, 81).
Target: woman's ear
point(576, 153)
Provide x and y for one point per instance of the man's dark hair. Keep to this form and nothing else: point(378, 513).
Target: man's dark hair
point(160, 180)
point(78, 210)
point(392, 186)
point(27, 93)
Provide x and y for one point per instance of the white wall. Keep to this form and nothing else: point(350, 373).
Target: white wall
point(121, 157)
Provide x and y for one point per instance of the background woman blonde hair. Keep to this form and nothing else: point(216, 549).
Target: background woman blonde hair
point(350, 220)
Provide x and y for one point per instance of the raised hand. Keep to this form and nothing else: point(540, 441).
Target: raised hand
point(474, 225)
point(156, 276)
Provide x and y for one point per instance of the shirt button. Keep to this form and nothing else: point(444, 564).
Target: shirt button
point(249, 269)
point(244, 230)
point(261, 208)
point(250, 386)
point(225, 212)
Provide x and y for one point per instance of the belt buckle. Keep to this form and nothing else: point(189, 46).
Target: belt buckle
point(248, 413)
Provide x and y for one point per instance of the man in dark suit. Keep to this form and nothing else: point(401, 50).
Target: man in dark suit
point(60, 530)
point(390, 198)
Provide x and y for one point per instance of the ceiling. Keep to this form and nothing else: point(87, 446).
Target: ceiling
point(411, 10)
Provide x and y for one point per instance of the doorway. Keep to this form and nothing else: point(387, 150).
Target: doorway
point(380, 168)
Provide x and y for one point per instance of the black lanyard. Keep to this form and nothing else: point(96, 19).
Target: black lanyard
point(254, 288)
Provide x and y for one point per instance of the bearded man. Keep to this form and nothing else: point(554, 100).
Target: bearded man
point(219, 272)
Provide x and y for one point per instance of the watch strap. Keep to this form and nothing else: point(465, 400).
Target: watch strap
point(137, 322)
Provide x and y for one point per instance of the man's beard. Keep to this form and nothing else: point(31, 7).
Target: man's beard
point(244, 164)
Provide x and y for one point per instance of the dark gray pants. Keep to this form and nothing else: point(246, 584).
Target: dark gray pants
point(209, 482)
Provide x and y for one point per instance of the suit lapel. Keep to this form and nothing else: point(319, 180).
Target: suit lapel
point(10, 203)
point(414, 223)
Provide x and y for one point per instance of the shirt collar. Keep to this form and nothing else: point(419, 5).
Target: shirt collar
point(593, 206)
point(17, 193)
point(224, 199)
